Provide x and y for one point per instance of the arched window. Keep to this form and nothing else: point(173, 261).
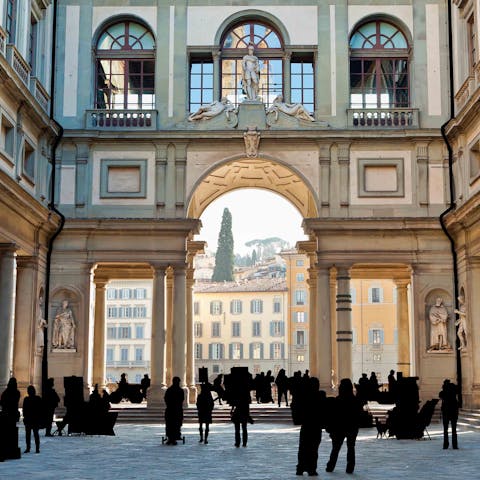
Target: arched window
point(268, 48)
point(379, 59)
point(125, 68)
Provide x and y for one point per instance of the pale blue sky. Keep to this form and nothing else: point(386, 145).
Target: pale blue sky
point(255, 213)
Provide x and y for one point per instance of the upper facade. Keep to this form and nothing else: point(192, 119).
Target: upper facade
point(148, 65)
point(26, 130)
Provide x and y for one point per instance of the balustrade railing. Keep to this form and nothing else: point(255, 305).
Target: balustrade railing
point(121, 119)
point(3, 41)
point(39, 92)
point(18, 63)
point(383, 117)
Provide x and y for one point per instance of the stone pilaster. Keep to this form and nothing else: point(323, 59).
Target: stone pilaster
point(7, 297)
point(27, 355)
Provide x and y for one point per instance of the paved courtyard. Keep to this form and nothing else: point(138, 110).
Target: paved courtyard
point(136, 452)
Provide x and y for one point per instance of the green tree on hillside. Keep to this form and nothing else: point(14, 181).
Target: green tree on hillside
point(224, 258)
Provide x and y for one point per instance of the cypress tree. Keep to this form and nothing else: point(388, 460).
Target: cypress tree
point(224, 258)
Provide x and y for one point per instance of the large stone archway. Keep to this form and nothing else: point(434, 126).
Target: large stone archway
point(253, 173)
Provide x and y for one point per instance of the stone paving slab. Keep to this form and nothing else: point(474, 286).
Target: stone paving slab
point(136, 452)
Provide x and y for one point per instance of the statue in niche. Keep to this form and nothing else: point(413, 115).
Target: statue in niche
point(41, 326)
point(213, 109)
point(63, 336)
point(461, 322)
point(296, 110)
point(252, 141)
point(438, 316)
point(251, 74)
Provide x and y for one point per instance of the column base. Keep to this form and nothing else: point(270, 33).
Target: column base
point(156, 396)
point(192, 394)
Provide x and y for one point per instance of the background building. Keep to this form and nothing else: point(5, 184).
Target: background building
point(129, 322)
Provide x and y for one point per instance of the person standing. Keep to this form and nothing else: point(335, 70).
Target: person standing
point(204, 408)
point(345, 420)
point(448, 395)
point(32, 417)
point(174, 397)
point(50, 403)
point(311, 430)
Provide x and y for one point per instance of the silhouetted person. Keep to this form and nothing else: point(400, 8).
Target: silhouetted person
point(9, 402)
point(267, 388)
point(392, 382)
point(240, 415)
point(145, 385)
point(50, 403)
point(32, 418)
point(282, 386)
point(218, 388)
point(345, 420)
point(174, 397)
point(373, 386)
point(258, 385)
point(123, 386)
point(449, 409)
point(204, 408)
point(363, 387)
point(311, 430)
point(105, 402)
point(297, 392)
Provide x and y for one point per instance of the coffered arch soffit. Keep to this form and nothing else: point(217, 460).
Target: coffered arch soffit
point(253, 173)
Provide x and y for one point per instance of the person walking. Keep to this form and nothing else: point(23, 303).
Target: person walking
point(345, 420)
point(240, 415)
point(448, 395)
point(32, 417)
point(204, 408)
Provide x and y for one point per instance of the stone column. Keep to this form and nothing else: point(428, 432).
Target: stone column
point(333, 338)
point(7, 297)
point(193, 247)
point(179, 324)
point(324, 321)
point(27, 355)
point(313, 330)
point(169, 323)
point(403, 363)
point(344, 323)
point(98, 375)
point(157, 355)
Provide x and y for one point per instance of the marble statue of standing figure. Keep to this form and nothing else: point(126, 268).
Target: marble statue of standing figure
point(438, 316)
point(296, 110)
point(251, 74)
point(64, 328)
point(461, 322)
point(41, 326)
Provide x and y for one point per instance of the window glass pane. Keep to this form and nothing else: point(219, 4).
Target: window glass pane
point(296, 68)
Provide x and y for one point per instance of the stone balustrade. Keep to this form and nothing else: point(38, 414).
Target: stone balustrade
point(39, 92)
point(383, 117)
point(121, 119)
point(3, 41)
point(18, 63)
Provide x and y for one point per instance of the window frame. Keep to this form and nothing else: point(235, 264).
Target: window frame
point(377, 54)
point(127, 54)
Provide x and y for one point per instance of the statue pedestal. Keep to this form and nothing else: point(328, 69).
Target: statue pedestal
point(63, 350)
point(251, 113)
